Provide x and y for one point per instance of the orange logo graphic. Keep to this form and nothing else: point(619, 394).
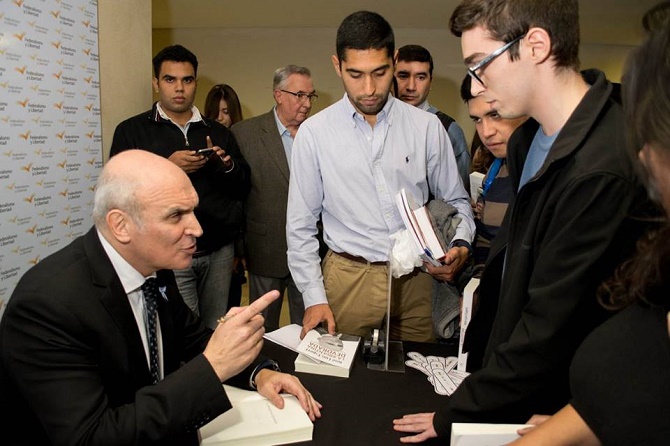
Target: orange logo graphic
point(62, 165)
point(58, 105)
point(88, 107)
point(87, 51)
point(34, 87)
point(34, 261)
point(11, 186)
point(5, 118)
point(23, 103)
point(61, 134)
point(27, 167)
point(91, 161)
point(86, 23)
point(4, 84)
point(32, 24)
point(56, 44)
point(66, 221)
point(21, 70)
point(29, 199)
point(18, 3)
point(8, 153)
point(32, 229)
point(63, 193)
point(37, 119)
point(55, 13)
point(90, 134)
point(24, 135)
point(40, 182)
point(20, 36)
point(61, 90)
point(58, 75)
point(88, 79)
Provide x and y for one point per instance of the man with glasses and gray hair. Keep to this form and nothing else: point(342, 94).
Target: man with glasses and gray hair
point(265, 142)
point(569, 225)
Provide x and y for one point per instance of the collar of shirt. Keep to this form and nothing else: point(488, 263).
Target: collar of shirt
point(384, 113)
point(280, 127)
point(425, 106)
point(131, 279)
point(285, 135)
point(195, 115)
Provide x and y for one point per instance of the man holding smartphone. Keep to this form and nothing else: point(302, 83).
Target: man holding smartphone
point(208, 153)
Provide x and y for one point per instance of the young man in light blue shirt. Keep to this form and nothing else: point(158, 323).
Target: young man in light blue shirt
point(349, 161)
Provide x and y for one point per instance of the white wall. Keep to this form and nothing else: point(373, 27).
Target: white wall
point(246, 58)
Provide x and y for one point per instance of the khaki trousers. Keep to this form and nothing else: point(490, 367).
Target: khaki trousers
point(357, 296)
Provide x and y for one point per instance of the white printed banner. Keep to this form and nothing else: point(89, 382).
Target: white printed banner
point(50, 129)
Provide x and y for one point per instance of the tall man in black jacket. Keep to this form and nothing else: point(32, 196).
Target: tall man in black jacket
point(568, 225)
point(174, 129)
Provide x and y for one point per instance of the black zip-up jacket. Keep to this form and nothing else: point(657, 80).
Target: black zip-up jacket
point(220, 210)
point(563, 234)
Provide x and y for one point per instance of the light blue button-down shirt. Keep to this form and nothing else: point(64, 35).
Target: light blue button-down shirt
point(349, 174)
point(286, 138)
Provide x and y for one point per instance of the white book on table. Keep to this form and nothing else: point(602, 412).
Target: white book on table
point(254, 420)
point(325, 354)
point(305, 364)
point(483, 434)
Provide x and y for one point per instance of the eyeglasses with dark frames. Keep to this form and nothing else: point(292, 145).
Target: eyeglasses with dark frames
point(472, 71)
point(300, 95)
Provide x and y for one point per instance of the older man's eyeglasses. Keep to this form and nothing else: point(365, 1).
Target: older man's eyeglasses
point(301, 96)
point(479, 66)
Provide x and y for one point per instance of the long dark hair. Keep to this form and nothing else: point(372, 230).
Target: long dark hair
point(225, 92)
point(646, 100)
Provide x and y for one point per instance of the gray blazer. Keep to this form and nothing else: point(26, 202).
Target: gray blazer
point(265, 236)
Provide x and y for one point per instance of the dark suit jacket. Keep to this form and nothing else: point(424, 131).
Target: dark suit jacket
point(265, 238)
point(73, 370)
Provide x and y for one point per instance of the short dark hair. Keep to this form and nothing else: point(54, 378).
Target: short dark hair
point(174, 53)
point(466, 89)
point(415, 53)
point(225, 92)
point(506, 20)
point(364, 30)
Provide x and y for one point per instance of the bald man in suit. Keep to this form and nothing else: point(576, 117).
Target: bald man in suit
point(265, 142)
point(74, 350)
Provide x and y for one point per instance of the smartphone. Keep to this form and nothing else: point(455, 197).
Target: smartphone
point(205, 152)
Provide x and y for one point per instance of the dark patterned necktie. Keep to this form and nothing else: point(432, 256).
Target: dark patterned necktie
point(150, 291)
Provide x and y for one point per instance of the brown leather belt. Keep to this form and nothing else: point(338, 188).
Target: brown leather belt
point(357, 258)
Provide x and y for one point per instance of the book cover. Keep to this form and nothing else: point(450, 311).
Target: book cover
point(407, 208)
point(483, 434)
point(331, 355)
point(254, 420)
